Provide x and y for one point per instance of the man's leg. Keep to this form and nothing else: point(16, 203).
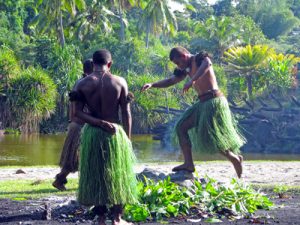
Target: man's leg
point(101, 211)
point(116, 213)
point(61, 180)
point(185, 144)
point(236, 160)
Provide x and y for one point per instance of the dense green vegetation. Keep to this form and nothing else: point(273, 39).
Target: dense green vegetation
point(254, 47)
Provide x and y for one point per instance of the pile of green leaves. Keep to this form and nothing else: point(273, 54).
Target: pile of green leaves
point(164, 199)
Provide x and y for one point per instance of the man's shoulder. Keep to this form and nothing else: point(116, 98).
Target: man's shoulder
point(86, 81)
point(202, 57)
point(119, 80)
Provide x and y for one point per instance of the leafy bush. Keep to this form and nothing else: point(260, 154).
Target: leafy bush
point(31, 98)
point(9, 66)
point(278, 73)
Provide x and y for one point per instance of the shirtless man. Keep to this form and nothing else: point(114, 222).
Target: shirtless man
point(206, 126)
point(69, 155)
point(106, 155)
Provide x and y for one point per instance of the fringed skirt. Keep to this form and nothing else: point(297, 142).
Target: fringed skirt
point(215, 129)
point(106, 168)
point(69, 156)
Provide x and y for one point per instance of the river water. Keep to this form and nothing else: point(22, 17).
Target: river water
point(38, 149)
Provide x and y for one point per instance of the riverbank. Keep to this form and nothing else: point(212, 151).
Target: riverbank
point(255, 172)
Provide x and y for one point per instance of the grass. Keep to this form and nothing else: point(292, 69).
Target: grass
point(29, 189)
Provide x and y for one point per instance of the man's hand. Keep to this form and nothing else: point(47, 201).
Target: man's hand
point(146, 87)
point(187, 86)
point(108, 127)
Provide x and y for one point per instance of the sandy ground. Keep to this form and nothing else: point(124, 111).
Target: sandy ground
point(264, 173)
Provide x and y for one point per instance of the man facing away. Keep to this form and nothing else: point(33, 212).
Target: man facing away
point(106, 173)
point(69, 156)
point(207, 125)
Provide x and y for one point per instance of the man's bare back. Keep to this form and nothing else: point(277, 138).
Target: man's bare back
point(104, 94)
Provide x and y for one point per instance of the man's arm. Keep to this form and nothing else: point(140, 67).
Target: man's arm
point(125, 109)
point(164, 83)
point(71, 111)
point(203, 69)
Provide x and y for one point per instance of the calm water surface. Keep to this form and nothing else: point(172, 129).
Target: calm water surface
point(37, 149)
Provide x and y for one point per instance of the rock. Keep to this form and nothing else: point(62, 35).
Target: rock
point(181, 176)
point(185, 183)
point(20, 171)
point(151, 174)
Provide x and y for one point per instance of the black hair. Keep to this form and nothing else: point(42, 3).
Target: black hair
point(200, 56)
point(88, 66)
point(177, 52)
point(101, 57)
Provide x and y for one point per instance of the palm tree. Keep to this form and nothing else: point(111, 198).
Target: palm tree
point(50, 15)
point(247, 61)
point(220, 32)
point(94, 18)
point(157, 17)
point(122, 6)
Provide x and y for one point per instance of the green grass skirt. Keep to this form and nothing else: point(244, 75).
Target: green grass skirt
point(215, 129)
point(106, 168)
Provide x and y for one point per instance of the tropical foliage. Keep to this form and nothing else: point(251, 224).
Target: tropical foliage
point(278, 73)
point(50, 16)
point(58, 35)
point(157, 18)
point(247, 62)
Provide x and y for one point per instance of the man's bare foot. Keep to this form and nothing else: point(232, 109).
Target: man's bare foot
point(60, 186)
point(121, 222)
point(184, 167)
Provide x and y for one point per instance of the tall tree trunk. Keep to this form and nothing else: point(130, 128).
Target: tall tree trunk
point(61, 30)
point(122, 26)
point(147, 33)
point(249, 85)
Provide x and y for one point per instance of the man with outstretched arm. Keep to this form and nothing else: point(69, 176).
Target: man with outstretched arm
point(106, 173)
point(206, 126)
